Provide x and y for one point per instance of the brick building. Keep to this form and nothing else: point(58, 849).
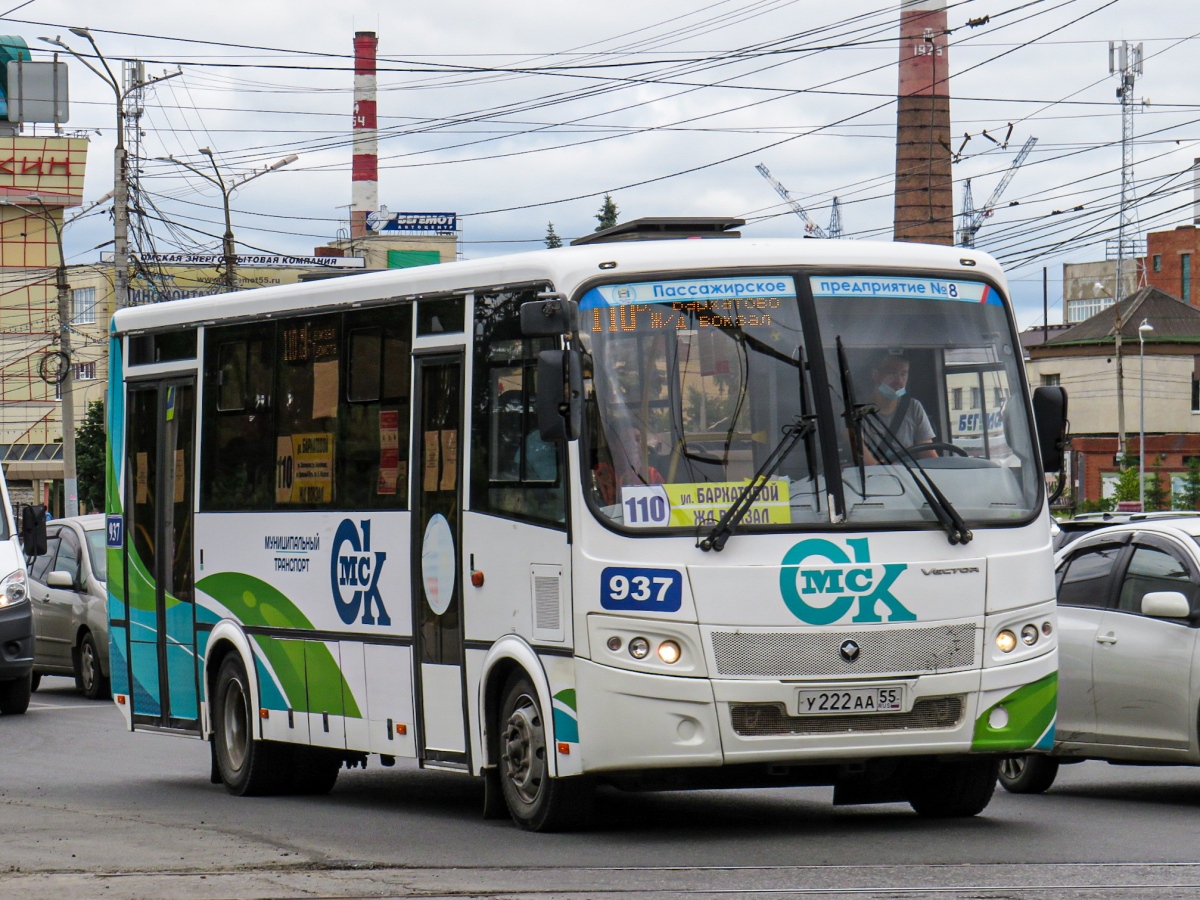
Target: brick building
point(1082, 359)
point(1170, 263)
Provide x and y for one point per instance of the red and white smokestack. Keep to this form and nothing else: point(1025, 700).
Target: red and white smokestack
point(924, 184)
point(365, 169)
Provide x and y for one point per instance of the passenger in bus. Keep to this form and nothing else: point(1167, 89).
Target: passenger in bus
point(629, 464)
point(899, 410)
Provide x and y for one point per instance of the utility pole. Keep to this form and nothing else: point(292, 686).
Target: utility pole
point(228, 248)
point(66, 382)
point(1125, 61)
point(120, 162)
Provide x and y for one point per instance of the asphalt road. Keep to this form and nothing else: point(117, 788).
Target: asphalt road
point(89, 810)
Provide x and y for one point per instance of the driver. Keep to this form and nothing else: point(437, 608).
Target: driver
point(899, 410)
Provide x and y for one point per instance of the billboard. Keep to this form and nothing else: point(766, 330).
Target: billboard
point(436, 222)
point(50, 168)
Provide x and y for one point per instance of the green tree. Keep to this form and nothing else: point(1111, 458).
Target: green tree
point(1157, 497)
point(90, 445)
point(552, 238)
point(1189, 497)
point(607, 217)
point(1127, 485)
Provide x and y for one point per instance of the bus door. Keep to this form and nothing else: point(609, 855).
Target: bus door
point(436, 560)
point(158, 561)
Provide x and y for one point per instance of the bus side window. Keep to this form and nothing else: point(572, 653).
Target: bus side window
point(308, 371)
point(514, 472)
point(373, 419)
point(238, 441)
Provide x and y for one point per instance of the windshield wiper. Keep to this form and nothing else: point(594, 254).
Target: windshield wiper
point(856, 414)
point(948, 517)
point(794, 432)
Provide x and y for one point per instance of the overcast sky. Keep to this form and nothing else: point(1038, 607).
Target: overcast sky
point(518, 114)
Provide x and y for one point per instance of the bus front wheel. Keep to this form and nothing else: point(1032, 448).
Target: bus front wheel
point(535, 800)
point(953, 790)
point(247, 767)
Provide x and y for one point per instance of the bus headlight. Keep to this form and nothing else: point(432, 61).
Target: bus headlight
point(1030, 634)
point(1006, 641)
point(639, 648)
point(12, 589)
point(669, 652)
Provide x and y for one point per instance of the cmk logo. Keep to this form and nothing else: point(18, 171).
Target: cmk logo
point(822, 596)
point(354, 573)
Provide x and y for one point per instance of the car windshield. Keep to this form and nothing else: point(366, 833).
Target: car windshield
point(97, 553)
point(690, 384)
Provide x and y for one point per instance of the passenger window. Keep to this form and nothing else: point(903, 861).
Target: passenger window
point(306, 424)
point(1086, 580)
point(1153, 570)
point(514, 472)
point(373, 422)
point(239, 435)
point(232, 365)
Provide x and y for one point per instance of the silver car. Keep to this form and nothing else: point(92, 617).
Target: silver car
point(70, 605)
point(1128, 650)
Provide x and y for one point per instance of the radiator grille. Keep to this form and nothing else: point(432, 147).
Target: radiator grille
point(910, 651)
point(761, 719)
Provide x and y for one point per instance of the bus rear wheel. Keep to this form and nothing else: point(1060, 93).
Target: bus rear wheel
point(247, 767)
point(953, 790)
point(535, 800)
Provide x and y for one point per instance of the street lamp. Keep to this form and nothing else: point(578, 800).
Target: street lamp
point(120, 172)
point(70, 474)
point(1143, 329)
point(229, 252)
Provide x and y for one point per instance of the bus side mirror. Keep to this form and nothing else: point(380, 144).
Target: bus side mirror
point(548, 316)
point(33, 531)
point(1050, 420)
point(559, 394)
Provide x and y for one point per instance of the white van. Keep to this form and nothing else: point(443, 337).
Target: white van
point(16, 614)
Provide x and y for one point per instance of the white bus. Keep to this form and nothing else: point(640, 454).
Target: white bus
point(635, 512)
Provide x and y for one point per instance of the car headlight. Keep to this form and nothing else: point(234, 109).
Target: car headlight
point(12, 589)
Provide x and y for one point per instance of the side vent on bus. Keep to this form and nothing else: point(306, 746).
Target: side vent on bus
point(546, 583)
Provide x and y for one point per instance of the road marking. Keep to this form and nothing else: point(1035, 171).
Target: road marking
point(74, 706)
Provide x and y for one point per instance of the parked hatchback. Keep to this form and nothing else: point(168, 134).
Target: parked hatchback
point(70, 605)
point(1129, 650)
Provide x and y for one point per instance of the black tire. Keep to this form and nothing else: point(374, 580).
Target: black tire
point(35, 681)
point(14, 695)
point(88, 676)
point(248, 767)
point(313, 771)
point(535, 801)
point(953, 790)
point(1030, 773)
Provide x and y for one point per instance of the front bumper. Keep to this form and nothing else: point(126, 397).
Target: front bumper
point(16, 640)
point(632, 720)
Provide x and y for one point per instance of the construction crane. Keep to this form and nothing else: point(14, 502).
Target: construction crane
point(972, 218)
point(811, 227)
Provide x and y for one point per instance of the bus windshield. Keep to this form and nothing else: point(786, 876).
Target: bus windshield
point(690, 385)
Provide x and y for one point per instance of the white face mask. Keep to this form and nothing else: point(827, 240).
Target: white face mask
point(888, 392)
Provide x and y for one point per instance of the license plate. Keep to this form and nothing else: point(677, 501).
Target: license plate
point(842, 701)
